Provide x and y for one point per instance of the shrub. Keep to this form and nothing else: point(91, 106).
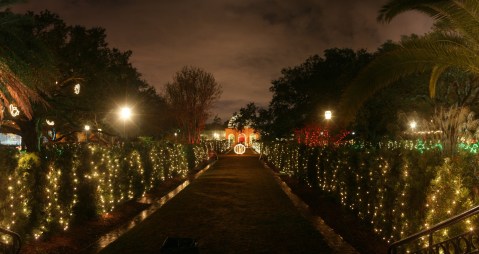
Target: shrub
point(397, 189)
point(72, 182)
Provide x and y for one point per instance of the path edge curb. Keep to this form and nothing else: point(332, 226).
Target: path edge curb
point(108, 238)
point(333, 239)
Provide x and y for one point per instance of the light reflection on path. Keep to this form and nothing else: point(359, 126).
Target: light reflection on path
point(111, 236)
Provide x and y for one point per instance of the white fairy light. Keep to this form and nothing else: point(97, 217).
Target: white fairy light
point(14, 111)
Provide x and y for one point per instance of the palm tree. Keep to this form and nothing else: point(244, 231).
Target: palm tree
point(13, 90)
point(455, 43)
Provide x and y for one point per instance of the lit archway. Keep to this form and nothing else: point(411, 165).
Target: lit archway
point(252, 138)
point(241, 138)
point(231, 139)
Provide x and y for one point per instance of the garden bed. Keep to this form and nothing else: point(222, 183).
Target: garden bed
point(343, 221)
point(81, 235)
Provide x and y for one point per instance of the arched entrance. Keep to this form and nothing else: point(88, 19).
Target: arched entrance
point(241, 138)
point(252, 138)
point(231, 139)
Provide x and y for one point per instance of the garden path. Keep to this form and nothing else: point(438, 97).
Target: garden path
point(236, 206)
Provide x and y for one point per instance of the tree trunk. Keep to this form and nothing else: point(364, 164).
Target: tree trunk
point(30, 133)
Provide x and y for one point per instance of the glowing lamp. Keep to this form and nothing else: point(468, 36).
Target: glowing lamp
point(413, 125)
point(51, 123)
point(87, 127)
point(328, 114)
point(125, 113)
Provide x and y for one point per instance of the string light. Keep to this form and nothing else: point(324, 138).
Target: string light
point(379, 185)
point(114, 174)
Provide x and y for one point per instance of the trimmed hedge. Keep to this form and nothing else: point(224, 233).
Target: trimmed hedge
point(46, 192)
point(397, 189)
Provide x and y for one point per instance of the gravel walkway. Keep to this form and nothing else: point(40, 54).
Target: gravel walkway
point(234, 207)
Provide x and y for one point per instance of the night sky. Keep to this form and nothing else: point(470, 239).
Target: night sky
point(245, 43)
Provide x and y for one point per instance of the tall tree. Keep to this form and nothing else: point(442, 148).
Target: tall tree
point(247, 117)
point(191, 96)
point(20, 59)
point(256, 117)
point(304, 92)
point(105, 76)
point(31, 61)
point(377, 118)
point(14, 95)
point(453, 44)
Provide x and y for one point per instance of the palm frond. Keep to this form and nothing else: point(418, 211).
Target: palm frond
point(395, 7)
point(419, 56)
point(462, 15)
point(435, 74)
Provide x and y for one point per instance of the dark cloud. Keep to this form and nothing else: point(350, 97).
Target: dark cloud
point(245, 44)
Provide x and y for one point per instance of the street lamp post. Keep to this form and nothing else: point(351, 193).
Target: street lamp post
point(327, 116)
point(87, 129)
point(413, 125)
point(52, 124)
point(125, 114)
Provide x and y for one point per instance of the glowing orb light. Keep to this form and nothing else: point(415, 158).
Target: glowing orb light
point(76, 89)
point(51, 123)
point(413, 125)
point(125, 113)
point(14, 111)
point(239, 149)
point(327, 115)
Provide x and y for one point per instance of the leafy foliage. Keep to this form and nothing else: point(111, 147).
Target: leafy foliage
point(395, 188)
point(23, 61)
point(304, 92)
point(46, 192)
point(451, 45)
point(51, 58)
